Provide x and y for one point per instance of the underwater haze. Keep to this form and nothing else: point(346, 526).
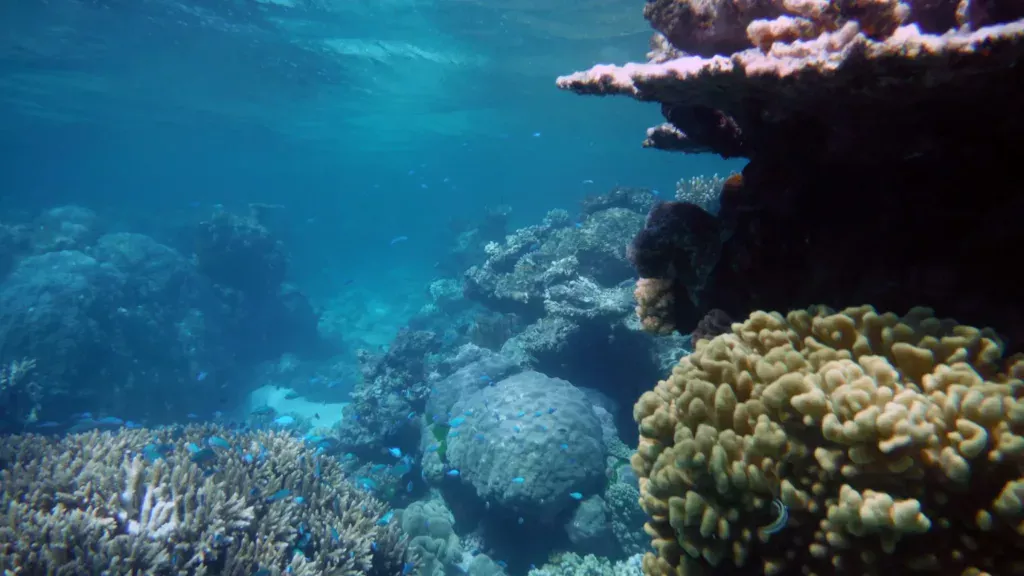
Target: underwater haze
point(365, 120)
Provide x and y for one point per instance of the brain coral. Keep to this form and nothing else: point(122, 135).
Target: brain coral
point(190, 501)
point(527, 443)
point(894, 444)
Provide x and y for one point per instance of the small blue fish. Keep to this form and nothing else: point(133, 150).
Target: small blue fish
point(378, 467)
point(284, 421)
point(576, 495)
point(299, 499)
point(396, 452)
point(398, 239)
point(552, 410)
point(218, 442)
point(279, 495)
point(192, 447)
point(153, 452)
point(454, 472)
point(519, 480)
point(453, 433)
point(202, 456)
point(516, 428)
point(537, 414)
point(433, 447)
point(479, 436)
point(411, 415)
point(502, 563)
point(520, 521)
point(456, 422)
point(386, 518)
point(110, 421)
point(520, 414)
point(201, 376)
point(485, 378)
point(408, 487)
point(49, 424)
point(563, 446)
point(407, 568)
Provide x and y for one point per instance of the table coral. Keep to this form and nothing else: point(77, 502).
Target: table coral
point(830, 78)
point(836, 443)
point(871, 128)
point(197, 500)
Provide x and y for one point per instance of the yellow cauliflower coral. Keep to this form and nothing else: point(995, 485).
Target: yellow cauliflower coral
point(821, 443)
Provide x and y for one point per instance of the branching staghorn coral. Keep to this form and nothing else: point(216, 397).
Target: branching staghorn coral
point(701, 190)
point(836, 443)
point(186, 501)
point(20, 396)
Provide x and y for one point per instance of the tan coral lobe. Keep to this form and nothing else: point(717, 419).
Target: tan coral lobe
point(895, 443)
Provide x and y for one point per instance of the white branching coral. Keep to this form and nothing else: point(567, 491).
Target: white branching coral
point(154, 502)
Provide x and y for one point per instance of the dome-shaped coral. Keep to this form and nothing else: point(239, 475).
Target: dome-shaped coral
point(849, 443)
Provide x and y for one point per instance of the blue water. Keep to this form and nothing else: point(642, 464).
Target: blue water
point(370, 133)
point(140, 109)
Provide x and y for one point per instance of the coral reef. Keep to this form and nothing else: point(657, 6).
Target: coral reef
point(715, 322)
point(394, 384)
point(124, 325)
point(736, 77)
point(519, 273)
point(526, 444)
point(21, 395)
point(567, 286)
point(626, 517)
point(589, 528)
point(430, 529)
point(869, 126)
point(240, 252)
point(836, 443)
point(195, 500)
point(486, 369)
point(700, 190)
point(571, 564)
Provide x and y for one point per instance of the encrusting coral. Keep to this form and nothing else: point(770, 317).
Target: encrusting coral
point(186, 501)
point(836, 443)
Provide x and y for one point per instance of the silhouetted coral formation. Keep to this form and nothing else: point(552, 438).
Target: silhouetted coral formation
point(875, 133)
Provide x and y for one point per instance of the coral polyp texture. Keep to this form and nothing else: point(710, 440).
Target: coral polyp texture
point(190, 501)
point(737, 77)
point(822, 443)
